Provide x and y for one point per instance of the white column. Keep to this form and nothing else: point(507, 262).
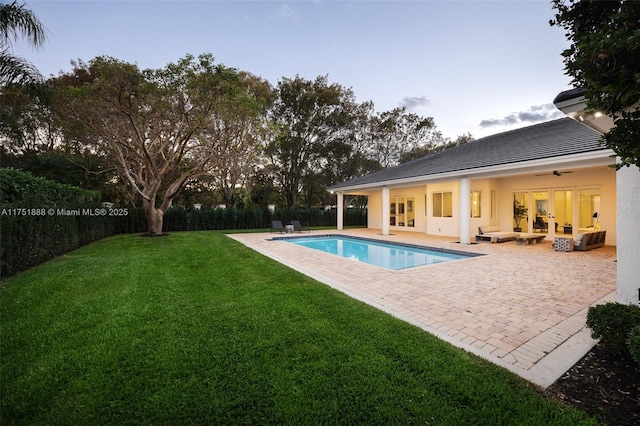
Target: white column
point(385, 211)
point(340, 211)
point(465, 211)
point(628, 235)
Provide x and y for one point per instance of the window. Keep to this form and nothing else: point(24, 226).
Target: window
point(411, 214)
point(437, 204)
point(520, 210)
point(475, 204)
point(442, 204)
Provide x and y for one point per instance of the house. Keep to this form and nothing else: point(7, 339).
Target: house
point(573, 104)
point(557, 170)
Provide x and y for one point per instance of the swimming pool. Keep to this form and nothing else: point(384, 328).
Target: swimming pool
point(386, 255)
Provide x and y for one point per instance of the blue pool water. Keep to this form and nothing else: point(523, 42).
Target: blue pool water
point(385, 255)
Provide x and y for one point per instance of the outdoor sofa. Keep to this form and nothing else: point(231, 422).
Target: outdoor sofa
point(589, 240)
point(494, 234)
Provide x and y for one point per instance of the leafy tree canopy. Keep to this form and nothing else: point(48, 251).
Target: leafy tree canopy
point(604, 58)
point(309, 116)
point(154, 125)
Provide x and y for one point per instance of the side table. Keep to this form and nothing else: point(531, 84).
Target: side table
point(563, 244)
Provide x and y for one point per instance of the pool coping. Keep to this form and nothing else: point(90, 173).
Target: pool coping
point(464, 255)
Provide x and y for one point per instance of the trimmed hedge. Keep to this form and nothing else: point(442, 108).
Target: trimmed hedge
point(180, 219)
point(41, 219)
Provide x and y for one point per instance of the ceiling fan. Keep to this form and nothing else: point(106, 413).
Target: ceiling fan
point(556, 173)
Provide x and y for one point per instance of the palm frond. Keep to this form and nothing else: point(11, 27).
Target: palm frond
point(18, 21)
point(17, 70)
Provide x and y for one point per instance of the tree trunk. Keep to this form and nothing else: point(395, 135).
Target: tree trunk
point(154, 217)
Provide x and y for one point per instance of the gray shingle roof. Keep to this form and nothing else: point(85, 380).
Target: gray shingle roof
point(551, 139)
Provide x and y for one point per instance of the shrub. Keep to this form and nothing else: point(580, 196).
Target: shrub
point(34, 225)
point(634, 343)
point(612, 323)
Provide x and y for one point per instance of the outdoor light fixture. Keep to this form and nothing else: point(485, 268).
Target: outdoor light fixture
point(574, 104)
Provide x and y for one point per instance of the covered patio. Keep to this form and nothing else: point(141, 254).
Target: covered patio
point(520, 306)
point(557, 171)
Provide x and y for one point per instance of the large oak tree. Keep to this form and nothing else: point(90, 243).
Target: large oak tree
point(153, 124)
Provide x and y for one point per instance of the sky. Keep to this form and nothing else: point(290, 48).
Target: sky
point(479, 67)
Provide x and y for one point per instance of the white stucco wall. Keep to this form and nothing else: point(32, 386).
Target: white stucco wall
point(374, 210)
point(629, 236)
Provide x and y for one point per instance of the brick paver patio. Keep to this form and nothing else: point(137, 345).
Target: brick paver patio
point(520, 306)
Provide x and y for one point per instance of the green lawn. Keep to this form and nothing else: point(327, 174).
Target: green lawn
point(195, 328)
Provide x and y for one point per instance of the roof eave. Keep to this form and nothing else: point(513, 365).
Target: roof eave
point(574, 104)
point(581, 160)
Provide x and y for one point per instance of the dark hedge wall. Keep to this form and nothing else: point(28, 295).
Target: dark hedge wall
point(41, 219)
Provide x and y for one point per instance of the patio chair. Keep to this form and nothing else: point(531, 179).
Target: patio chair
point(494, 234)
point(276, 225)
point(298, 227)
point(540, 225)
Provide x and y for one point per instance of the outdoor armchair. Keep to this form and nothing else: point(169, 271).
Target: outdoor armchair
point(298, 227)
point(276, 225)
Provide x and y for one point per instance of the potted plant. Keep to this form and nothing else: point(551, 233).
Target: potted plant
point(519, 213)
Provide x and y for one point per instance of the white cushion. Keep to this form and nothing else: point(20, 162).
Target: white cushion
point(486, 229)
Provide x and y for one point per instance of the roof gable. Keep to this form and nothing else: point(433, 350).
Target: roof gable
point(545, 140)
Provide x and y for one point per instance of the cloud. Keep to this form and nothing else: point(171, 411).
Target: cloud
point(534, 114)
point(413, 102)
point(286, 11)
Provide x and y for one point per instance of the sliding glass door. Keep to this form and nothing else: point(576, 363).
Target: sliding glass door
point(542, 216)
point(588, 209)
point(563, 211)
point(558, 211)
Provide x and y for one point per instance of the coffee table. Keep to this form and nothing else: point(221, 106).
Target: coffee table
point(526, 239)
